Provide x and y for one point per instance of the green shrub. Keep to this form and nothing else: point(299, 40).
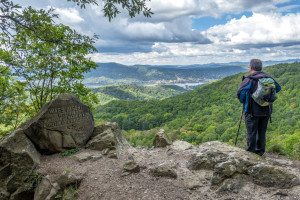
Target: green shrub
point(69, 152)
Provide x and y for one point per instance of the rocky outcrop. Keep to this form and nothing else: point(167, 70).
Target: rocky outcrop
point(270, 176)
point(18, 157)
point(108, 138)
point(161, 139)
point(63, 123)
point(232, 168)
point(216, 171)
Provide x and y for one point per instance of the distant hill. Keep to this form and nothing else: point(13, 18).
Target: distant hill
point(212, 112)
point(114, 73)
point(215, 65)
point(136, 92)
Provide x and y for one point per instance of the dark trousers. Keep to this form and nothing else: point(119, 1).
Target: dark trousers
point(256, 133)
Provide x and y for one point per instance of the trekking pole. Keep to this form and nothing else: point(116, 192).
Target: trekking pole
point(239, 127)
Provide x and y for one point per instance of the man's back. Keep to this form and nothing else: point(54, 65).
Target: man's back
point(250, 83)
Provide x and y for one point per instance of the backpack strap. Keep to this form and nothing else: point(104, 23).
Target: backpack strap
point(270, 111)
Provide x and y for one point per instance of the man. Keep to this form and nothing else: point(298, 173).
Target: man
point(256, 116)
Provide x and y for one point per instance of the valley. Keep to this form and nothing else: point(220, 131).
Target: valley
point(211, 112)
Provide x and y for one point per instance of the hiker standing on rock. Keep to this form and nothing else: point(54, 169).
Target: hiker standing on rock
point(257, 93)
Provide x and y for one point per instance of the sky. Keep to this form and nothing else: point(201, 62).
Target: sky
point(184, 32)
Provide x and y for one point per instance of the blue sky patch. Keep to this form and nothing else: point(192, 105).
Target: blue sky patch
point(204, 23)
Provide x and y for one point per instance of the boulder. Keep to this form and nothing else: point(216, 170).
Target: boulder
point(166, 169)
point(161, 139)
point(54, 192)
point(43, 189)
point(228, 169)
point(206, 159)
point(65, 187)
point(233, 184)
point(130, 167)
point(269, 176)
point(68, 178)
point(181, 145)
point(18, 157)
point(108, 138)
point(63, 123)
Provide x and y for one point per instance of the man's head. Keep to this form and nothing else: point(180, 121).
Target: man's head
point(255, 65)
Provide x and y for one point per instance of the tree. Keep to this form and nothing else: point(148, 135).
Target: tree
point(40, 59)
point(49, 57)
point(12, 103)
point(111, 9)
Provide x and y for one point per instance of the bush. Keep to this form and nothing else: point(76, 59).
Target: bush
point(69, 152)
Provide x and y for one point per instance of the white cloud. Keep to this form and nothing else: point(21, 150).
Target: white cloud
point(258, 29)
point(268, 37)
point(168, 37)
point(170, 9)
point(195, 54)
point(69, 15)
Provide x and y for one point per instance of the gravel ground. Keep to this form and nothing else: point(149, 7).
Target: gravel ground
point(102, 177)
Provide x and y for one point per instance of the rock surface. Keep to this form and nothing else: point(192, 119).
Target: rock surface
point(63, 123)
point(18, 157)
point(161, 139)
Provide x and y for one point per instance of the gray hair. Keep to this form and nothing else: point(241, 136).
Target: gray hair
point(256, 64)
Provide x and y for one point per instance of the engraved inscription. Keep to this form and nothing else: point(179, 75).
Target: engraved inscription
point(65, 116)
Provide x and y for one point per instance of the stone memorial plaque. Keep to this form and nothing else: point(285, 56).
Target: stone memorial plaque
point(63, 123)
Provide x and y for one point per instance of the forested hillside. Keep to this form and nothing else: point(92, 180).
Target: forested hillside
point(212, 112)
point(114, 73)
point(106, 94)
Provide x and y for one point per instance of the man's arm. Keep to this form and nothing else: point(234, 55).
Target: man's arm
point(241, 92)
point(277, 87)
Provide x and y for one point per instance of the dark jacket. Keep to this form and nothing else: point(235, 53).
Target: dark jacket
point(248, 86)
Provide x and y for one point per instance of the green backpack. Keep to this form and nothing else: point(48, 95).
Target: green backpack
point(265, 94)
